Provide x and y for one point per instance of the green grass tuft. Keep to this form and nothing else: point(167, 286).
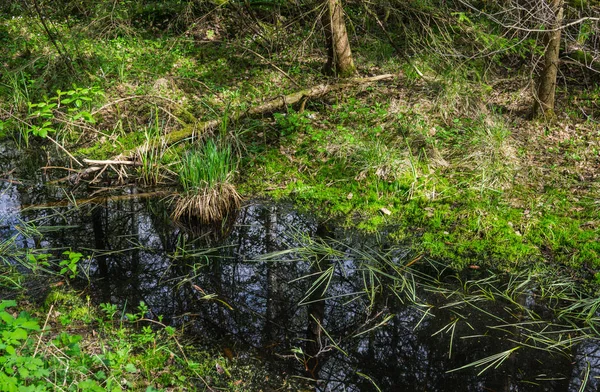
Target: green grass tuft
point(205, 176)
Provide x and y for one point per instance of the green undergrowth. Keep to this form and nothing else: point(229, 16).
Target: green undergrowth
point(70, 345)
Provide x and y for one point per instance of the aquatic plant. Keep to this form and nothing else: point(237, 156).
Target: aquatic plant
point(205, 176)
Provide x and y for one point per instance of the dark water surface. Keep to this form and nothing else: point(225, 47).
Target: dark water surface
point(332, 312)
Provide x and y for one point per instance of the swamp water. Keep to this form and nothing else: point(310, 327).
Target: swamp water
point(297, 299)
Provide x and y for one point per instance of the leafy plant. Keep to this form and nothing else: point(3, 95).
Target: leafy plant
point(66, 107)
point(19, 366)
point(292, 122)
point(69, 265)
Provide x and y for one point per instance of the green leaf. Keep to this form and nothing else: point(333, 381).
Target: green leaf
point(30, 324)
point(19, 334)
point(7, 304)
point(100, 375)
point(89, 385)
point(24, 373)
point(75, 256)
point(33, 363)
point(88, 117)
point(10, 350)
point(130, 368)
point(7, 318)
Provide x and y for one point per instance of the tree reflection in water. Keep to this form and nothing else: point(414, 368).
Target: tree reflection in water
point(262, 308)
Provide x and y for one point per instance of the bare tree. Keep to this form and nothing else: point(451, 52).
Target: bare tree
point(339, 54)
point(544, 102)
point(556, 21)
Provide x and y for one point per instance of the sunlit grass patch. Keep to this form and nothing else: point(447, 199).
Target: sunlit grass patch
point(206, 177)
point(490, 155)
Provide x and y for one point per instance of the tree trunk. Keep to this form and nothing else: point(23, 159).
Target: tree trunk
point(544, 104)
point(339, 55)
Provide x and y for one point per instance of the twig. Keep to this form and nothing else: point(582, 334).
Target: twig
point(111, 162)
point(60, 167)
point(42, 331)
point(65, 150)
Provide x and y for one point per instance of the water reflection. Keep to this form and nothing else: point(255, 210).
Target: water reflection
point(302, 315)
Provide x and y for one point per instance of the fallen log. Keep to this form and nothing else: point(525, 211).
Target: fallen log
point(273, 105)
point(202, 127)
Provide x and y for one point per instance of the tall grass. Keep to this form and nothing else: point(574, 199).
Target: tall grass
point(151, 154)
point(207, 167)
point(206, 177)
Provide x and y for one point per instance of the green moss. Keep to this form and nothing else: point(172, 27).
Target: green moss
point(69, 306)
point(104, 149)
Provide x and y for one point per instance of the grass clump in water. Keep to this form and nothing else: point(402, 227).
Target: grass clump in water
point(206, 178)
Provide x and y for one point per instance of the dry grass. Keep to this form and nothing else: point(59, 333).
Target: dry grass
point(209, 205)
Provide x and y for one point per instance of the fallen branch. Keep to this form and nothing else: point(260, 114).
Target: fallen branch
point(202, 127)
point(111, 162)
point(273, 105)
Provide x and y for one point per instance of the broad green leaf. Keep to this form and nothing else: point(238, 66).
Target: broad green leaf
point(30, 324)
point(7, 318)
point(19, 334)
point(7, 304)
point(23, 372)
point(130, 368)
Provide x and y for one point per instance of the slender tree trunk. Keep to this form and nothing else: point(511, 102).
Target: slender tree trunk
point(544, 104)
point(339, 55)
